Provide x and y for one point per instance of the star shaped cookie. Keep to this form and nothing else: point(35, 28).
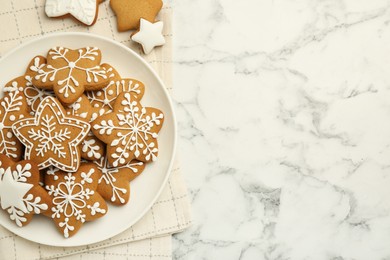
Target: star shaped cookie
point(20, 193)
point(130, 131)
point(74, 198)
point(51, 137)
point(129, 12)
point(114, 183)
point(149, 35)
point(70, 72)
point(105, 98)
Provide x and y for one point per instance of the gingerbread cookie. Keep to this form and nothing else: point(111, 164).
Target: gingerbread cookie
point(75, 199)
point(129, 12)
point(84, 11)
point(13, 107)
point(105, 98)
point(23, 84)
point(130, 131)
point(81, 108)
point(70, 72)
point(149, 35)
point(20, 193)
point(51, 137)
point(114, 184)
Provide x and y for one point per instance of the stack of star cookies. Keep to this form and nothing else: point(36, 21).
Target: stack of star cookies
point(73, 135)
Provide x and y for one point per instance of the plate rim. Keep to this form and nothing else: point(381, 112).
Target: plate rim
point(170, 104)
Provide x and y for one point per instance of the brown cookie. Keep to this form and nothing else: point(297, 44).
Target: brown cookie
point(13, 107)
point(114, 184)
point(20, 193)
point(105, 98)
point(32, 94)
point(51, 137)
point(129, 12)
point(75, 199)
point(71, 72)
point(130, 131)
point(83, 11)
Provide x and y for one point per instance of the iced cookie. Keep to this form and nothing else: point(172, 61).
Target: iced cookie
point(71, 72)
point(105, 98)
point(75, 199)
point(51, 137)
point(129, 12)
point(114, 184)
point(20, 193)
point(32, 94)
point(149, 35)
point(130, 131)
point(13, 107)
point(84, 11)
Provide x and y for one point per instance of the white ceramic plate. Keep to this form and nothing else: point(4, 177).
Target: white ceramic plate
point(147, 187)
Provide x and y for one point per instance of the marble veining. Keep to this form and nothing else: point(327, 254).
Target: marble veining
point(284, 123)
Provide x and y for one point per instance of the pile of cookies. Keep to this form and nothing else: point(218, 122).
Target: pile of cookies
point(73, 135)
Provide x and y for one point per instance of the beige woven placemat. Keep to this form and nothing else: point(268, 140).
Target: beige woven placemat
point(25, 20)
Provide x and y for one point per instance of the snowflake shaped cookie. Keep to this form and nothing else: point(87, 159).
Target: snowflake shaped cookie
point(84, 11)
point(70, 72)
point(51, 137)
point(130, 131)
point(31, 93)
point(74, 198)
point(20, 193)
point(105, 98)
point(114, 184)
point(13, 107)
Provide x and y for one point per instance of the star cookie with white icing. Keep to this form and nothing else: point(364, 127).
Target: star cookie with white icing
point(149, 35)
point(13, 107)
point(130, 131)
point(114, 184)
point(21, 196)
point(71, 72)
point(84, 11)
point(105, 98)
point(74, 198)
point(51, 137)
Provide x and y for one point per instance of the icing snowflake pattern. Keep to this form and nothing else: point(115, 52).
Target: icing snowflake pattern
point(106, 97)
point(51, 138)
point(74, 198)
point(48, 138)
point(15, 196)
point(65, 75)
point(112, 176)
point(11, 110)
point(133, 134)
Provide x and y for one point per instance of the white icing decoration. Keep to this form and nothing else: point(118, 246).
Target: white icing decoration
point(34, 99)
point(108, 176)
point(10, 106)
point(83, 10)
point(13, 190)
point(70, 83)
point(149, 35)
point(93, 151)
point(133, 131)
point(53, 171)
point(75, 109)
point(105, 97)
point(95, 209)
point(70, 200)
point(46, 133)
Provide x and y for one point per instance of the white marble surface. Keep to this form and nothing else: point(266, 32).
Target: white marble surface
point(284, 119)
